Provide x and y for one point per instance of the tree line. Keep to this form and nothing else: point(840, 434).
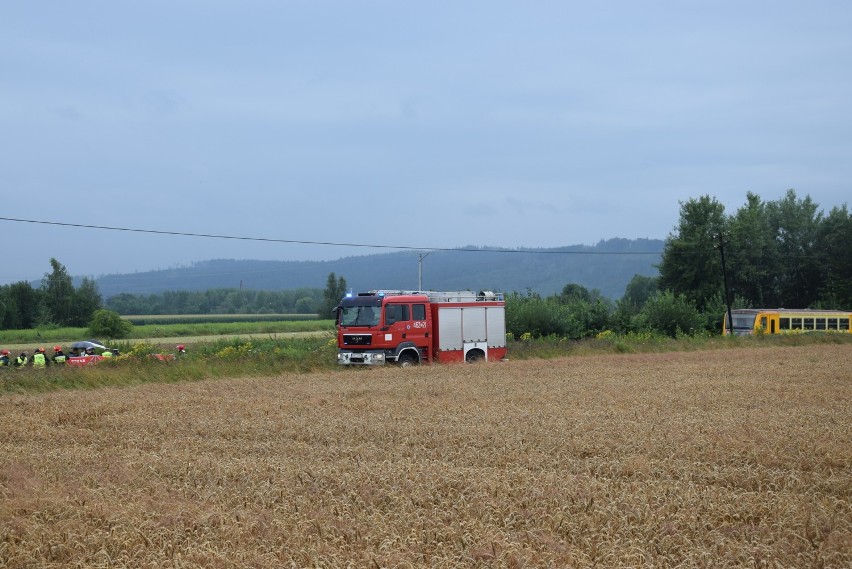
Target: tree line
point(220, 301)
point(777, 254)
point(56, 302)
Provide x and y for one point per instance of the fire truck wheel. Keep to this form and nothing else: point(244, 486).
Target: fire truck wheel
point(406, 360)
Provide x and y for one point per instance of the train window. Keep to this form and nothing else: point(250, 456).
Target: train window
point(844, 324)
point(795, 323)
point(832, 323)
point(808, 323)
point(820, 324)
point(784, 324)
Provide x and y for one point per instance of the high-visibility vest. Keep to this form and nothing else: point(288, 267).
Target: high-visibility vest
point(106, 354)
point(39, 360)
point(21, 361)
point(60, 359)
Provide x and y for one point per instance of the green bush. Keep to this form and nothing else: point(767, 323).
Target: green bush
point(671, 315)
point(536, 316)
point(109, 324)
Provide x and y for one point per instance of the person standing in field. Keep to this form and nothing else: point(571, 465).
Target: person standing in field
point(21, 360)
point(4, 359)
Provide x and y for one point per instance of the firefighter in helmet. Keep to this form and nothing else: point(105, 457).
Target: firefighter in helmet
point(58, 355)
point(5, 360)
point(39, 359)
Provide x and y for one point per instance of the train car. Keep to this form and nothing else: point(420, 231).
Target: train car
point(786, 320)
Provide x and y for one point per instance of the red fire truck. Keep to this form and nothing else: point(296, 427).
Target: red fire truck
point(410, 327)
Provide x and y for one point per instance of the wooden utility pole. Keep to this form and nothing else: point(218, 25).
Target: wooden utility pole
point(721, 247)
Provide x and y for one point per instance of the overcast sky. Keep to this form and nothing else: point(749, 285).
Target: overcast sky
point(405, 124)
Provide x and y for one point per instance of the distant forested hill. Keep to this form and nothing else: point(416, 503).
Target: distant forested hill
point(607, 266)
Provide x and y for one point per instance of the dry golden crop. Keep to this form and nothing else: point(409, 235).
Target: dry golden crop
point(728, 458)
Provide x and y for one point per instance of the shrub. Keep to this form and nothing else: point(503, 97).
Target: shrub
point(107, 323)
point(534, 316)
point(671, 315)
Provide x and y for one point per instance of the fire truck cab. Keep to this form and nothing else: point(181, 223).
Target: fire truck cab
point(410, 327)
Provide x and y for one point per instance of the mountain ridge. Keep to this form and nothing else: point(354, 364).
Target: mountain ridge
point(607, 266)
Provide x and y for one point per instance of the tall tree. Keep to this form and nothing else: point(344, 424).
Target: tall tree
point(24, 306)
point(5, 306)
point(87, 300)
point(834, 252)
point(753, 254)
point(691, 264)
point(795, 223)
point(335, 289)
point(640, 289)
point(58, 289)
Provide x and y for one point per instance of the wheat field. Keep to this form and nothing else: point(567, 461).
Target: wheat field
point(727, 458)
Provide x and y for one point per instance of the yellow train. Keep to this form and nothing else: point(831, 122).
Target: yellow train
point(785, 320)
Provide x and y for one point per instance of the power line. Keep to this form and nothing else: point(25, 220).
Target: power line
point(303, 242)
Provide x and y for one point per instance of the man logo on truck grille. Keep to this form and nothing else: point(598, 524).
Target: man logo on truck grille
point(357, 339)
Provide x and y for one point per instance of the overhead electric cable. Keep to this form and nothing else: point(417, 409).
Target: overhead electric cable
point(303, 242)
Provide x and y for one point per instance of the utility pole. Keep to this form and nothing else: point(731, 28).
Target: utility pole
point(420, 258)
point(723, 240)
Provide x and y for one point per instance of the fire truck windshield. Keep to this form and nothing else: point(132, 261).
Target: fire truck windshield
point(359, 316)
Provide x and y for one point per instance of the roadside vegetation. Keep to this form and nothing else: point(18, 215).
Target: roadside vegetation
point(217, 358)
point(143, 319)
point(223, 357)
point(188, 327)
